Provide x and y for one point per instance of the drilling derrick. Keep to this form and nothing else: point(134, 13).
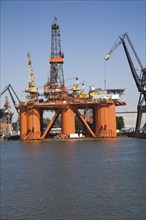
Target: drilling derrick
point(54, 89)
point(56, 60)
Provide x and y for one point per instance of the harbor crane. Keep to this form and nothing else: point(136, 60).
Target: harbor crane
point(12, 93)
point(140, 81)
point(10, 89)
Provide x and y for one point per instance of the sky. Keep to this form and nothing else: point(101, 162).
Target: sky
point(88, 31)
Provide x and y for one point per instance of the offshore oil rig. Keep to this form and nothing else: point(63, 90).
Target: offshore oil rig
point(66, 103)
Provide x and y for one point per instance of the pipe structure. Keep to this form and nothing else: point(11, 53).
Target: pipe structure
point(67, 121)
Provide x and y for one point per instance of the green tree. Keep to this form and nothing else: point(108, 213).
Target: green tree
point(57, 123)
point(46, 121)
point(120, 122)
point(78, 124)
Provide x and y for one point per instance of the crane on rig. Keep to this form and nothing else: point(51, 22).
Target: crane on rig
point(32, 90)
point(140, 81)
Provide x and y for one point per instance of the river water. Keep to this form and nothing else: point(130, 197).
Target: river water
point(103, 179)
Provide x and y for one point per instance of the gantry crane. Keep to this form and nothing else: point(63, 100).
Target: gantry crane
point(139, 80)
point(10, 89)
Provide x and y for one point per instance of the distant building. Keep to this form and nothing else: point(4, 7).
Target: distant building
point(130, 119)
point(5, 121)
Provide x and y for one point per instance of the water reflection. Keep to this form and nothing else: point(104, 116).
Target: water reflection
point(98, 179)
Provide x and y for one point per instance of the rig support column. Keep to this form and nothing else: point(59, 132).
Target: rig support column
point(67, 121)
point(23, 123)
point(34, 127)
point(105, 121)
point(112, 119)
point(30, 128)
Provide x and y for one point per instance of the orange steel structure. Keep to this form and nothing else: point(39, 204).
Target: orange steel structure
point(104, 119)
point(67, 121)
point(64, 105)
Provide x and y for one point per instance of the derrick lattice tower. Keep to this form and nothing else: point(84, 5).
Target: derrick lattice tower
point(57, 57)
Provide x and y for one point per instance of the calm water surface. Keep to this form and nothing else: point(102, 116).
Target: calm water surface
point(74, 180)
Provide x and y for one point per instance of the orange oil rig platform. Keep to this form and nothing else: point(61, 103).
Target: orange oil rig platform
point(104, 118)
point(66, 103)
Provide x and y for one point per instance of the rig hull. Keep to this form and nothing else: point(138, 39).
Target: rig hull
point(104, 120)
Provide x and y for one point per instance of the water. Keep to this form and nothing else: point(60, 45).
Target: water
point(76, 180)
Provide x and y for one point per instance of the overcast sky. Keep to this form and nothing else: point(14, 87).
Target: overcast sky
point(88, 31)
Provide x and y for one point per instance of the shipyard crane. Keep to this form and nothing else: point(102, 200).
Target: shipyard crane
point(12, 93)
point(10, 89)
point(139, 80)
point(7, 104)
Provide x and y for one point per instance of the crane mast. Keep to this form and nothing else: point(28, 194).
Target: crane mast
point(30, 73)
point(32, 90)
point(140, 81)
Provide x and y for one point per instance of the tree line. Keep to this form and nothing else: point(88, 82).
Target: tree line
point(78, 124)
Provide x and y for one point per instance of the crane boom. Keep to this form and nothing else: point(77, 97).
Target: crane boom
point(9, 88)
point(139, 80)
point(134, 51)
point(30, 72)
point(133, 70)
point(115, 46)
point(32, 90)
